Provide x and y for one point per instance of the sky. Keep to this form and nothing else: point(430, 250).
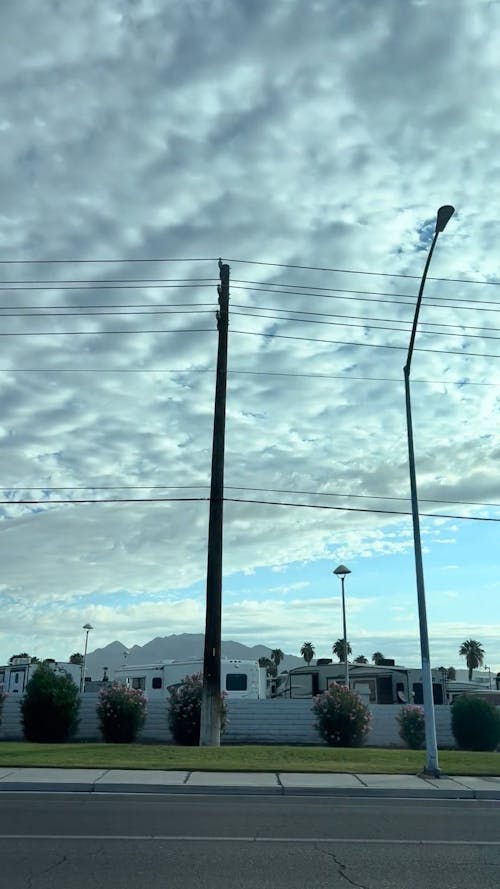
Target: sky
point(308, 143)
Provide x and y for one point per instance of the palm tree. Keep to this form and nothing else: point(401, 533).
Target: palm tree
point(277, 656)
point(76, 658)
point(473, 652)
point(339, 650)
point(270, 667)
point(360, 659)
point(377, 658)
point(307, 652)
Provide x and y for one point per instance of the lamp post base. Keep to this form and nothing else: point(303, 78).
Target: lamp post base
point(431, 773)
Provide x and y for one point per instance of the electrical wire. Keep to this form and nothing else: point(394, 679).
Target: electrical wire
point(258, 373)
point(96, 281)
point(370, 345)
point(358, 317)
point(105, 500)
point(281, 265)
point(50, 489)
point(432, 515)
point(91, 286)
point(370, 326)
point(314, 268)
point(104, 332)
point(92, 314)
point(392, 302)
point(115, 500)
point(104, 261)
point(269, 286)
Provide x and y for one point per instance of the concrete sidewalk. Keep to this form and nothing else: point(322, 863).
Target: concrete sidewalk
point(284, 783)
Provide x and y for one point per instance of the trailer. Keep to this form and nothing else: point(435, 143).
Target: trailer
point(15, 675)
point(387, 684)
point(239, 679)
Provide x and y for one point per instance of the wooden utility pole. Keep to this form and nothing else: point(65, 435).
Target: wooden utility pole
point(210, 702)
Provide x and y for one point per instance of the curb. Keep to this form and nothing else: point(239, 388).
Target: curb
point(279, 791)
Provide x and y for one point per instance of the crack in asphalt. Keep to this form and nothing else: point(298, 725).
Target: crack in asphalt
point(341, 868)
point(47, 870)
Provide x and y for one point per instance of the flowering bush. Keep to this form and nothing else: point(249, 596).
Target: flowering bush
point(121, 712)
point(342, 719)
point(184, 712)
point(411, 721)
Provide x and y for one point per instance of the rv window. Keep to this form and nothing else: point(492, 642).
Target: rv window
point(139, 682)
point(157, 682)
point(236, 682)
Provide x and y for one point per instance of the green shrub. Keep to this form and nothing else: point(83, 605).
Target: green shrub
point(184, 711)
point(411, 721)
point(475, 723)
point(121, 712)
point(50, 706)
point(342, 719)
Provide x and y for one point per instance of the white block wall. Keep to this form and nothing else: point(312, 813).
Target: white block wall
point(250, 722)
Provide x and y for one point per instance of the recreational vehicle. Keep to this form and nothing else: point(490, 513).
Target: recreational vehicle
point(387, 684)
point(239, 679)
point(15, 675)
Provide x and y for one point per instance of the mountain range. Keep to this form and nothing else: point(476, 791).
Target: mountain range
point(181, 647)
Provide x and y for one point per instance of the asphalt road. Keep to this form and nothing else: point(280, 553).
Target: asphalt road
point(78, 841)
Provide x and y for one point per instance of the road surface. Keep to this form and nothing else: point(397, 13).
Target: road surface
point(108, 841)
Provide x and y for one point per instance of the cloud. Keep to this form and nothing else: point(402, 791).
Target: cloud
point(320, 135)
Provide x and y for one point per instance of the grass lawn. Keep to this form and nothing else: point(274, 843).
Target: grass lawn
point(243, 758)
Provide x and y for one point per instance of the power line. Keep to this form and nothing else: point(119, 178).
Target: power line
point(49, 308)
point(369, 345)
point(281, 265)
point(258, 373)
point(366, 326)
point(473, 305)
point(92, 287)
point(431, 515)
point(105, 500)
point(359, 496)
point(92, 314)
point(50, 489)
point(104, 332)
point(323, 506)
point(314, 268)
point(94, 282)
point(353, 317)
point(299, 289)
point(104, 261)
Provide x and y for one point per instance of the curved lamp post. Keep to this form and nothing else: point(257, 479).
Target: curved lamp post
point(444, 215)
point(87, 628)
point(341, 572)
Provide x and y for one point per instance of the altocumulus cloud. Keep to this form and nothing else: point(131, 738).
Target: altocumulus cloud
point(316, 134)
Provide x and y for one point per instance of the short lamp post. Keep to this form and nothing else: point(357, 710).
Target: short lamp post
point(444, 215)
point(87, 628)
point(341, 572)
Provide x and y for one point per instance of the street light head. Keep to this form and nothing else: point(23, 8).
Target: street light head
point(444, 215)
point(341, 571)
point(87, 627)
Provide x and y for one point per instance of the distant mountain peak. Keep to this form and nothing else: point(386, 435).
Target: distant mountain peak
point(178, 646)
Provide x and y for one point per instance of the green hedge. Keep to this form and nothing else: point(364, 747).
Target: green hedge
point(50, 706)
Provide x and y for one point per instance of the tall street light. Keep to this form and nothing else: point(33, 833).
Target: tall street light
point(444, 215)
point(341, 572)
point(87, 628)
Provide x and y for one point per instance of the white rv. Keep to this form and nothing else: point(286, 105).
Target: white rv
point(239, 679)
point(15, 675)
